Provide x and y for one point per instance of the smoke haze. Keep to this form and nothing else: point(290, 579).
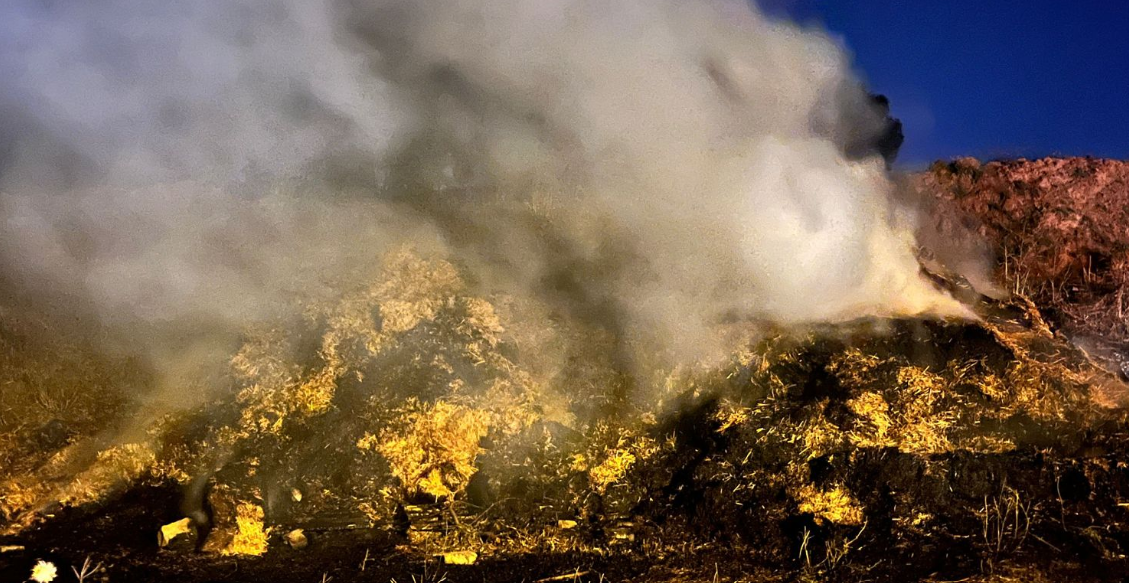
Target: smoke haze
point(174, 171)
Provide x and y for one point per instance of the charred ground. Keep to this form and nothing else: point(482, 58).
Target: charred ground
point(411, 418)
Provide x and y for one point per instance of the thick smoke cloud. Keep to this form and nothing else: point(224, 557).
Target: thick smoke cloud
point(176, 170)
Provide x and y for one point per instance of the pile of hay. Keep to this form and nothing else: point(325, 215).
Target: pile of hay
point(412, 404)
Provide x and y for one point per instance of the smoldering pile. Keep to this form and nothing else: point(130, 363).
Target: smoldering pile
point(652, 165)
point(413, 412)
point(178, 175)
point(363, 256)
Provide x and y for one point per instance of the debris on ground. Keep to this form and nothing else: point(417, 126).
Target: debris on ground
point(179, 535)
point(459, 558)
point(297, 539)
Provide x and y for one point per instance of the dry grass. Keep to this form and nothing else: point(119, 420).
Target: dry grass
point(1006, 522)
point(833, 505)
point(432, 447)
point(612, 454)
point(251, 534)
point(79, 474)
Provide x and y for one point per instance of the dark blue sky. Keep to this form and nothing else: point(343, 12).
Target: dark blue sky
point(990, 78)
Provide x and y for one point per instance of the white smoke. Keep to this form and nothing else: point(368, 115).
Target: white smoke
point(702, 136)
point(656, 165)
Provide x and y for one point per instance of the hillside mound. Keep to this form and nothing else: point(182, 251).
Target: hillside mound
point(1060, 229)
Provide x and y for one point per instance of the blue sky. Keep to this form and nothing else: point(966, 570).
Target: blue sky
point(989, 78)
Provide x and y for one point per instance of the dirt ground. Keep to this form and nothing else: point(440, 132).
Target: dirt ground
point(1056, 227)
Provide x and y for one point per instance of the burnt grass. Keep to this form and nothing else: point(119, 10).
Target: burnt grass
point(1052, 506)
point(1066, 536)
point(896, 450)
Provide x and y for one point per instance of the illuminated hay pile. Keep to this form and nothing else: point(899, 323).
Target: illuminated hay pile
point(412, 406)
